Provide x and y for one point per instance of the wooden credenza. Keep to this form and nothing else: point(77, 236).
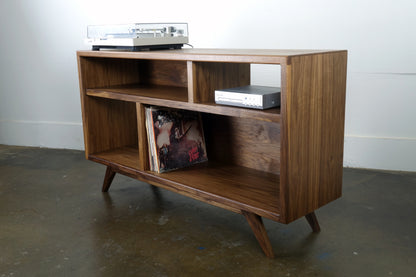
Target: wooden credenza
point(281, 163)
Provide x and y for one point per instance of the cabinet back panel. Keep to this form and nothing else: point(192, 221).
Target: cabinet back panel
point(164, 73)
point(101, 72)
point(212, 76)
point(244, 142)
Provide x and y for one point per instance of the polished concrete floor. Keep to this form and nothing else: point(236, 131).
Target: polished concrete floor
point(54, 221)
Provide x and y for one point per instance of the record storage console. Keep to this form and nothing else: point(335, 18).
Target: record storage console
point(281, 163)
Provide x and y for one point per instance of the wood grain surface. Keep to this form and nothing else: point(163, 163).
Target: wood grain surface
point(313, 130)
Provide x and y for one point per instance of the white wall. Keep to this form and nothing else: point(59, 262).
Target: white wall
point(39, 97)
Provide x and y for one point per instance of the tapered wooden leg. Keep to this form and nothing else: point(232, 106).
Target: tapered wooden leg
point(256, 224)
point(108, 179)
point(313, 222)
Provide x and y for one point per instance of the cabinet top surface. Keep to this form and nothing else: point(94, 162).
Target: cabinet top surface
point(224, 55)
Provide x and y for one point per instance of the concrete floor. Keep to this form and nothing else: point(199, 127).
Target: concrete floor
point(54, 221)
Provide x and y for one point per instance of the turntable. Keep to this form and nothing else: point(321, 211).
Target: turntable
point(138, 36)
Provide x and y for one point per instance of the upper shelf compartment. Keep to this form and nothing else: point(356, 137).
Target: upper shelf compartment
point(107, 77)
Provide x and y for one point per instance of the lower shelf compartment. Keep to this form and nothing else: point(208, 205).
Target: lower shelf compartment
point(234, 187)
point(231, 187)
point(124, 156)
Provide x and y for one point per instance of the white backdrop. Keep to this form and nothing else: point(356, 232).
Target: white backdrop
point(39, 93)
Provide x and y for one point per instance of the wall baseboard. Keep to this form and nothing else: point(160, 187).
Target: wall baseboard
point(393, 153)
point(49, 134)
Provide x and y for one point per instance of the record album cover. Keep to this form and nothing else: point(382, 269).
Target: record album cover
point(175, 137)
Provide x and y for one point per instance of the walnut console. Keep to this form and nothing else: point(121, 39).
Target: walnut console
point(281, 163)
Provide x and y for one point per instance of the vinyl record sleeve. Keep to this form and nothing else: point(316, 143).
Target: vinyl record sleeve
point(175, 138)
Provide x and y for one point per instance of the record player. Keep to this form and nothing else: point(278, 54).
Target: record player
point(138, 36)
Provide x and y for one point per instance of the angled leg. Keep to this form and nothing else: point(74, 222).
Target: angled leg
point(256, 224)
point(313, 222)
point(108, 178)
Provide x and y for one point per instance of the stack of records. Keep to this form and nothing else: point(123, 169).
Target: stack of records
point(175, 137)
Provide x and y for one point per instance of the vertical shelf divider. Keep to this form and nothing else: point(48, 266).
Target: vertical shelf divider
point(142, 137)
point(191, 81)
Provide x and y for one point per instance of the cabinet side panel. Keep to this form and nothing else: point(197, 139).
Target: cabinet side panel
point(82, 87)
point(315, 111)
point(243, 142)
point(209, 76)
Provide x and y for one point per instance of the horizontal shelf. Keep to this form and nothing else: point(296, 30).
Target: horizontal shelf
point(177, 97)
point(141, 93)
point(232, 187)
point(270, 115)
point(124, 156)
point(229, 186)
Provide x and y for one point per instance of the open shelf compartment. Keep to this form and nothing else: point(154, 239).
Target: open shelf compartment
point(232, 187)
point(126, 156)
point(115, 78)
point(235, 188)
